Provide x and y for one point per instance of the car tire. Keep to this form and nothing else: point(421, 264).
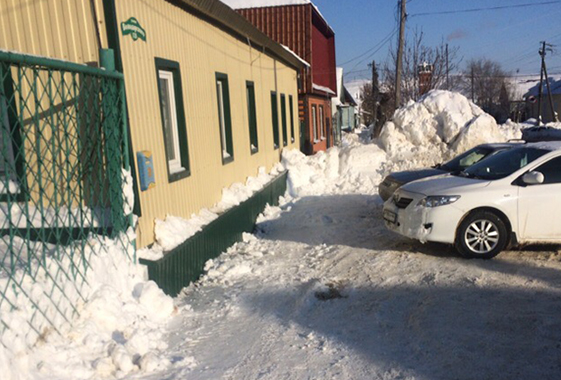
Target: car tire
point(481, 235)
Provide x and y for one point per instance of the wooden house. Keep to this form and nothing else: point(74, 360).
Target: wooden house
point(209, 97)
point(299, 25)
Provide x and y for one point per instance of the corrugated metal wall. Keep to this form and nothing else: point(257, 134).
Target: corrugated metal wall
point(323, 53)
point(201, 50)
point(289, 25)
point(63, 29)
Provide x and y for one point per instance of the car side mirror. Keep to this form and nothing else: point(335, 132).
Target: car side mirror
point(533, 178)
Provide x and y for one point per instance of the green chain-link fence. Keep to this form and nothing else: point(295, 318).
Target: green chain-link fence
point(62, 154)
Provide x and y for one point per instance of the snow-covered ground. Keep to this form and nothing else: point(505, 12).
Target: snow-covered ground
point(322, 290)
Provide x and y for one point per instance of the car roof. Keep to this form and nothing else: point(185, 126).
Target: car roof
point(501, 145)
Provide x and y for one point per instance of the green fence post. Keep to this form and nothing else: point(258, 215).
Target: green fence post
point(113, 154)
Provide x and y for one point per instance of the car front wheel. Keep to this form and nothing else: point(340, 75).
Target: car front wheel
point(481, 235)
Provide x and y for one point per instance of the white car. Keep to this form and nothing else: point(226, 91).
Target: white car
point(512, 197)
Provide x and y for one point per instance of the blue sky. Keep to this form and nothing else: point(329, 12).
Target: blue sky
point(510, 36)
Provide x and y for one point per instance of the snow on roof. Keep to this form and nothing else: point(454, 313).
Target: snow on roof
point(241, 4)
point(322, 88)
point(554, 84)
point(295, 55)
point(355, 87)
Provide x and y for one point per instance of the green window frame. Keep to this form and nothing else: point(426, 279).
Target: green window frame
point(275, 116)
point(291, 106)
point(12, 161)
point(224, 117)
point(251, 117)
point(172, 113)
point(283, 119)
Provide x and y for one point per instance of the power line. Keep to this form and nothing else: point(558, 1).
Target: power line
point(383, 43)
point(485, 9)
point(369, 50)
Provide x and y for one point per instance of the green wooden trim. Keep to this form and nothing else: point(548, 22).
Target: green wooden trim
point(291, 105)
point(185, 263)
point(223, 78)
point(252, 117)
point(283, 119)
point(18, 149)
point(173, 67)
point(112, 30)
point(275, 117)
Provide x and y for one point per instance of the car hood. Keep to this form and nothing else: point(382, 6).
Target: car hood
point(413, 175)
point(444, 184)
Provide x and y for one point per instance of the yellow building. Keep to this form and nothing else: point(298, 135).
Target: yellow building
point(209, 97)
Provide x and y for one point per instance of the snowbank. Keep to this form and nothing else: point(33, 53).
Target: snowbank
point(439, 126)
point(174, 230)
point(117, 333)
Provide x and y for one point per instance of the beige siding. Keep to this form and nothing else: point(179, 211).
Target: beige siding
point(63, 29)
point(201, 50)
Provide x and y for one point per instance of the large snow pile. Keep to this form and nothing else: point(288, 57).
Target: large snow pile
point(439, 126)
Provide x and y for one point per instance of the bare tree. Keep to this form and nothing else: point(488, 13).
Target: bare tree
point(415, 54)
point(489, 86)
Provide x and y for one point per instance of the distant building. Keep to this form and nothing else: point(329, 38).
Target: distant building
point(299, 25)
point(344, 108)
point(425, 78)
point(532, 100)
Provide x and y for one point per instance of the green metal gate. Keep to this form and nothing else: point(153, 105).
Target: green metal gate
point(62, 159)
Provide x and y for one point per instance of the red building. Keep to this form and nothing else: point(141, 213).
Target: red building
point(299, 25)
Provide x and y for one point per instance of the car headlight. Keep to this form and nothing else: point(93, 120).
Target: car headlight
point(438, 200)
point(391, 183)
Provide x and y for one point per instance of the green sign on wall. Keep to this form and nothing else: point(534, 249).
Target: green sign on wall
point(132, 27)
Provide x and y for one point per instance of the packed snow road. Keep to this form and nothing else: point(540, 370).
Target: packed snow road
point(323, 291)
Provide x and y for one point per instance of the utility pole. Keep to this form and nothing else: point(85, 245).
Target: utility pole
point(398, 68)
point(543, 72)
point(375, 94)
point(542, 54)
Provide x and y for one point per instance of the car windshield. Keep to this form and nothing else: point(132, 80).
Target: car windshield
point(467, 159)
point(504, 163)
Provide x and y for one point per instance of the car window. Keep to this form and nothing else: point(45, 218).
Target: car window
point(504, 163)
point(551, 171)
point(465, 160)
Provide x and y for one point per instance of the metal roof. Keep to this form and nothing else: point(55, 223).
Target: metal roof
point(225, 17)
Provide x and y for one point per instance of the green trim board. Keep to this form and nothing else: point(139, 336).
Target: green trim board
point(112, 30)
point(252, 117)
point(185, 263)
point(173, 67)
point(224, 117)
point(275, 117)
point(283, 119)
point(291, 105)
